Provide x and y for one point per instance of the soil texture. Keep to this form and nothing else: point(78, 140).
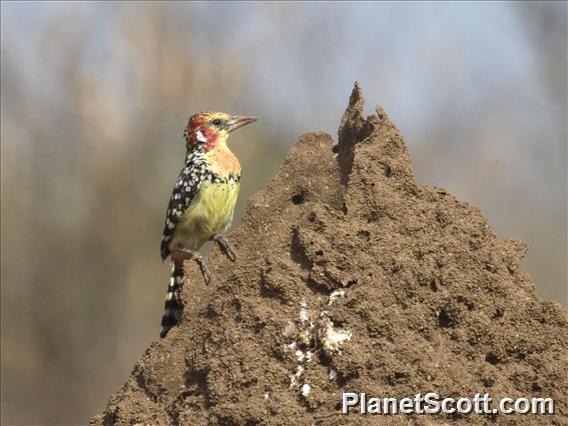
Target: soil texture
point(351, 277)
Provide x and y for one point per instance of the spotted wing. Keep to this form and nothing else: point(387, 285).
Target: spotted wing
point(185, 189)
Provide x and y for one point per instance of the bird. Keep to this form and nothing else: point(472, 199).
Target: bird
point(202, 203)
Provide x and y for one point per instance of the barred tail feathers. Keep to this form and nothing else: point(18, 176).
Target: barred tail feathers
point(172, 306)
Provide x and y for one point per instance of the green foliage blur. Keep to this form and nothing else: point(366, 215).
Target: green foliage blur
point(95, 97)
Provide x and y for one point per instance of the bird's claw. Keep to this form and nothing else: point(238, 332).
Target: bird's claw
point(187, 254)
point(225, 247)
point(204, 268)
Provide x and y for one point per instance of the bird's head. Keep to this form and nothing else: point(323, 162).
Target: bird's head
point(209, 129)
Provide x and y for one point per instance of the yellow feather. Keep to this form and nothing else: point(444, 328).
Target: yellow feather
point(210, 213)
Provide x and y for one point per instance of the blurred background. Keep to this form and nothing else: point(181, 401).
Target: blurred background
point(94, 101)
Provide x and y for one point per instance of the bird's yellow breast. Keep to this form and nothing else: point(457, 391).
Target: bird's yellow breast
point(210, 213)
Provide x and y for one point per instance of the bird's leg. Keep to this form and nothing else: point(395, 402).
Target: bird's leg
point(225, 247)
point(179, 254)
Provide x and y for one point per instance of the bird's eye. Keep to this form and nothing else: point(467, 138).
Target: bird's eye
point(216, 122)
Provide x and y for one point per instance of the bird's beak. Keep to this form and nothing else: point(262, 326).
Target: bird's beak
point(237, 121)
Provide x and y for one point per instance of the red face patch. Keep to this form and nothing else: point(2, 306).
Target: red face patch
point(198, 133)
point(195, 121)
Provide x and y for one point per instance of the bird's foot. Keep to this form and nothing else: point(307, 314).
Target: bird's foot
point(181, 253)
point(224, 246)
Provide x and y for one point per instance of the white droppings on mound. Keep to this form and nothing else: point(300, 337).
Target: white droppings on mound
point(289, 330)
point(332, 374)
point(294, 378)
point(336, 295)
point(316, 336)
point(304, 314)
point(332, 338)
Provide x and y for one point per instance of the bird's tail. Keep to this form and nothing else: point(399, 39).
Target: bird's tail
point(173, 306)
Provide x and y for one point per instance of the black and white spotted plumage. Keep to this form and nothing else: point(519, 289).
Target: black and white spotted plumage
point(172, 306)
point(194, 172)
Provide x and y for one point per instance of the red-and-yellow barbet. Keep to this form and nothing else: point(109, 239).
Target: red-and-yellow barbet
point(203, 200)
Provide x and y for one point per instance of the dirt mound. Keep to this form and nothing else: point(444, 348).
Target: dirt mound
point(350, 277)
